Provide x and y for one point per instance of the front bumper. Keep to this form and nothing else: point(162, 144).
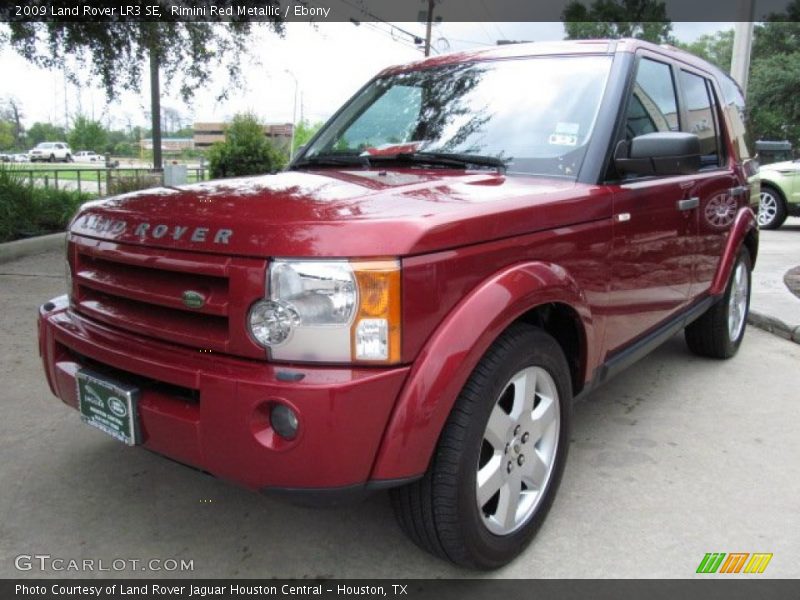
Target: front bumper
point(211, 411)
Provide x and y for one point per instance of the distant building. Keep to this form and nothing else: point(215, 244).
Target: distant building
point(206, 134)
point(169, 145)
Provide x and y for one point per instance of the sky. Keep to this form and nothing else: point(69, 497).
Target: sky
point(329, 62)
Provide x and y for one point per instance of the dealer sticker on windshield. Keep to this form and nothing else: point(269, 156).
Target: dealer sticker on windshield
point(108, 405)
point(566, 134)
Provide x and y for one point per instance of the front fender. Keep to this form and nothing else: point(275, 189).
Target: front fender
point(446, 361)
point(744, 231)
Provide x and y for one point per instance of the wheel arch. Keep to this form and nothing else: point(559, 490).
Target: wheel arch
point(539, 293)
point(744, 233)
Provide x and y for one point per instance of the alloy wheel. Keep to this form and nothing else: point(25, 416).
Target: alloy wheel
point(737, 302)
point(518, 451)
point(767, 208)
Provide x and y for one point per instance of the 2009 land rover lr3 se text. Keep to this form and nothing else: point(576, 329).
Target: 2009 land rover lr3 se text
point(471, 242)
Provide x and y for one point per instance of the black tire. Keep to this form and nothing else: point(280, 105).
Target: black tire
point(440, 512)
point(52, 158)
point(710, 335)
point(777, 213)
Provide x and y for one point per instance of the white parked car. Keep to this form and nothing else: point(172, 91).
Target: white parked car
point(87, 156)
point(19, 158)
point(51, 151)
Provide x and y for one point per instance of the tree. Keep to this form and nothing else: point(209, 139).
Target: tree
point(304, 131)
point(115, 51)
point(87, 135)
point(773, 98)
point(716, 48)
point(11, 111)
point(642, 19)
point(6, 134)
point(245, 151)
point(45, 132)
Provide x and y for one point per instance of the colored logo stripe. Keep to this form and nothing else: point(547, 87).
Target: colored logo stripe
point(758, 563)
point(735, 561)
point(711, 562)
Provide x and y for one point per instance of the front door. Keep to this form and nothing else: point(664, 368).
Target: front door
point(655, 220)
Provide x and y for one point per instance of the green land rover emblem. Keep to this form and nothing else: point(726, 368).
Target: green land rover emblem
point(192, 299)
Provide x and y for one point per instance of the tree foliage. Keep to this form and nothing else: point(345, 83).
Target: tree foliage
point(116, 51)
point(773, 98)
point(11, 112)
point(304, 131)
point(6, 135)
point(87, 135)
point(245, 151)
point(641, 19)
point(716, 48)
point(45, 132)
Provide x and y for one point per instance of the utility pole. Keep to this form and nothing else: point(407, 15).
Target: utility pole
point(742, 43)
point(428, 28)
point(155, 108)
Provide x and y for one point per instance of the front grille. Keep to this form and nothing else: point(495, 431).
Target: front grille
point(141, 289)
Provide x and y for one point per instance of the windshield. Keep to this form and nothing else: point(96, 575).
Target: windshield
point(534, 114)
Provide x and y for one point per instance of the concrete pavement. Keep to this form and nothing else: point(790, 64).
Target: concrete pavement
point(772, 306)
point(676, 457)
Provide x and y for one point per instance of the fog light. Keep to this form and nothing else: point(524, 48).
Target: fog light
point(284, 421)
point(271, 323)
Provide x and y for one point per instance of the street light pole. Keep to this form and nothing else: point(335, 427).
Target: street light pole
point(294, 113)
point(742, 44)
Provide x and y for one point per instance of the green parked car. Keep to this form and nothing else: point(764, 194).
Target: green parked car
point(780, 193)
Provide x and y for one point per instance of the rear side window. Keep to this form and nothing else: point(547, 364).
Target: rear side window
point(702, 116)
point(653, 106)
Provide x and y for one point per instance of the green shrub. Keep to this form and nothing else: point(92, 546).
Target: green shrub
point(27, 210)
point(245, 150)
point(122, 184)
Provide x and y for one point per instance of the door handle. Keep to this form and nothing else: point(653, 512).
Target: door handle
point(689, 203)
point(739, 190)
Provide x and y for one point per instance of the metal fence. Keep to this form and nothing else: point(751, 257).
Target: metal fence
point(103, 181)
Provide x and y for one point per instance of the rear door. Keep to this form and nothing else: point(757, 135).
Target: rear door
point(719, 191)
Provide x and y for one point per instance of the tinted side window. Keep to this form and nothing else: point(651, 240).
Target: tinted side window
point(702, 119)
point(653, 105)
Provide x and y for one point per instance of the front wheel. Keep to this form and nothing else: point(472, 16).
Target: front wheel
point(500, 457)
point(719, 331)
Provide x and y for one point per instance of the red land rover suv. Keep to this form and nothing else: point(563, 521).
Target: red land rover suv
point(470, 243)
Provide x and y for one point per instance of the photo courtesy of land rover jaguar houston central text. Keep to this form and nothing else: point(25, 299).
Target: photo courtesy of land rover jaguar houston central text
point(469, 244)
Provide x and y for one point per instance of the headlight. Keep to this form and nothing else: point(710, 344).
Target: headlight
point(330, 311)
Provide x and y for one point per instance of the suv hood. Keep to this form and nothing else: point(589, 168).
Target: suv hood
point(331, 213)
point(785, 166)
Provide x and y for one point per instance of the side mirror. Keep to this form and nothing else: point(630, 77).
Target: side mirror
point(662, 153)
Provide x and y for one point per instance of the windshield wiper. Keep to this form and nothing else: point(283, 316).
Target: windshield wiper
point(333, 160)
point(448, 159)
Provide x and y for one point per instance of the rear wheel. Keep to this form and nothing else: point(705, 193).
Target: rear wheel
point(771, 208)
point(500, 456)
point(719, 332)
